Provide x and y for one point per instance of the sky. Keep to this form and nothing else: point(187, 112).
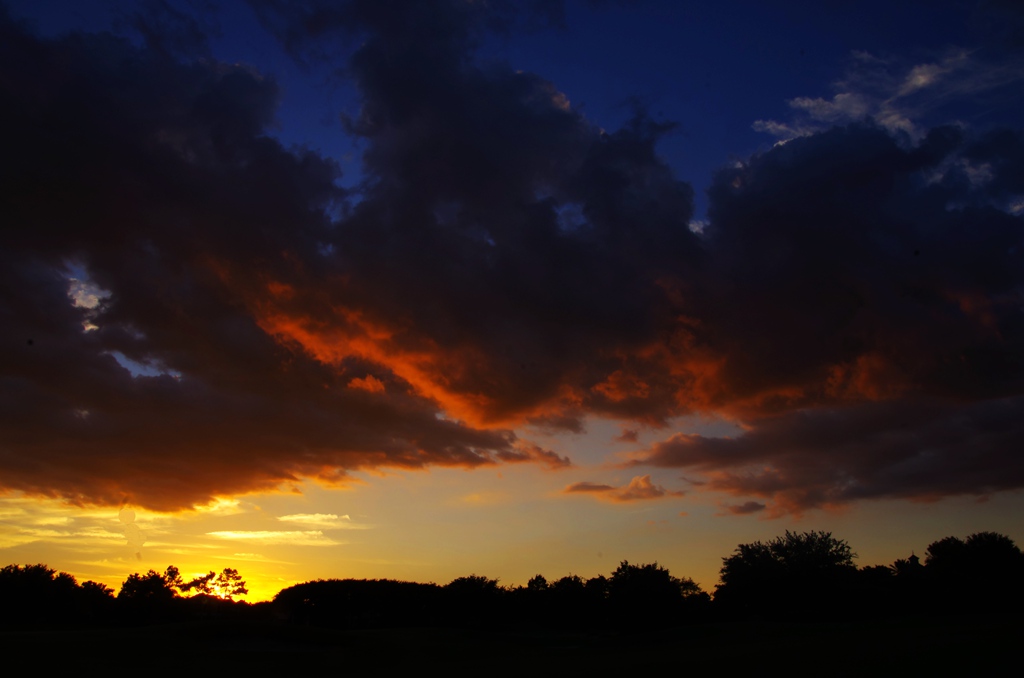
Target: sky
point(417, 290)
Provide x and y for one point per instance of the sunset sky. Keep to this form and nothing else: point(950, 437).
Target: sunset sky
point(422, 289)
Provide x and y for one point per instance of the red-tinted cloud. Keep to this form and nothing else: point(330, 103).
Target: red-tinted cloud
point(639, 488)
point(744, 509)
point(628, 435)
point(587, 486)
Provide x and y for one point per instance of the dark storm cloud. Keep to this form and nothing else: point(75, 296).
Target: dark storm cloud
point(169, 30)
point(517, 255)
point(480, 272)
point(155, 178)
point(318, 30)
point(854, 301)
point(851, 266)
point(1000, 23)
point(998, 158)
point(868, 305)
point(922, 449)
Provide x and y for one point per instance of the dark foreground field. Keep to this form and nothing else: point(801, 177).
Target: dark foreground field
point(907, 647)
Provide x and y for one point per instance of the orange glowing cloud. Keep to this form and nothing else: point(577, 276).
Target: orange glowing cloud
point(369, 383)
point(619, 385)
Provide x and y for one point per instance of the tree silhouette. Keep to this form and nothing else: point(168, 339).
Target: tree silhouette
point(154, 596)
point(201, 585)
point(597, 587)
point(229, 584)
point(947, 554)
point(151, 597)
point(990, 562)
point(225, 585)
point(359, 603)
point(96, 602)
point(645, 595)
point(799, 573)
point(472, 600)
point(537, 583)
point(570, 584)
point(568, 603)
point(37, 593)
point(151, 586)
point(983, 553)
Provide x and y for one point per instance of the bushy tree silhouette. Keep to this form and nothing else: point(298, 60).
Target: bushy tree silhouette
point(570, 584)
point(360, 603)
point(151, 597)
point(984, 572)
point(798, 573)
point(151, 586)
point(597, 587)
point(947, 554)
point(37, 594)
point(97, 602)
point(648, 595)
point(537, 583)
point(473, 600)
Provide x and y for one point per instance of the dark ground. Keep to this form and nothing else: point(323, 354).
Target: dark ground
point(971, 646)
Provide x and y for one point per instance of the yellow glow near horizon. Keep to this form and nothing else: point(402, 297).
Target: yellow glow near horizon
point(508, 522)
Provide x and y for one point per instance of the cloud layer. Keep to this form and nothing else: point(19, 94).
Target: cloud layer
point(854, 300)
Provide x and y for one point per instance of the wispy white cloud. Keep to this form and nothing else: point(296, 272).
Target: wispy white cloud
point(24, 535)
point(841, 107)
point(898, 96)
point(271, 537)
point(327, 521)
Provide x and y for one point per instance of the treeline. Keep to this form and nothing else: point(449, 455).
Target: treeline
point(807, 576)
point(644, 594)
point(39, 595)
